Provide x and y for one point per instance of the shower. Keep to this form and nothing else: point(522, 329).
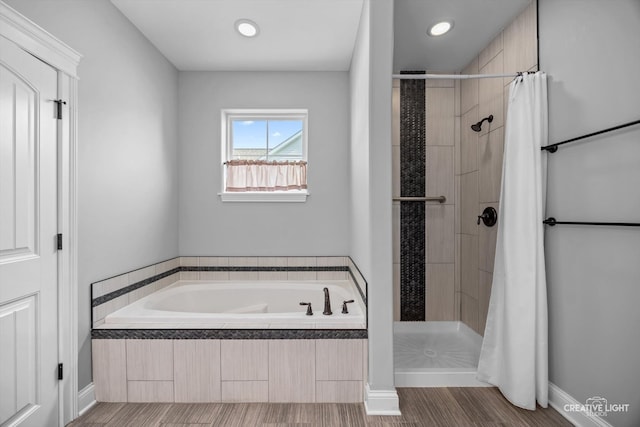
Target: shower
point(432, 345)
point(478, 126)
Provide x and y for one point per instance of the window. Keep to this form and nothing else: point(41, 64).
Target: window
point(265, 155)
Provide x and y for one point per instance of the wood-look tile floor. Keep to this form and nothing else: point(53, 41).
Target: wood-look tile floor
point(419, 406)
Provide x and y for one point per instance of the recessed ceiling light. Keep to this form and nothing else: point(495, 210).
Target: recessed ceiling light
point(247, 27)
point(440, 28)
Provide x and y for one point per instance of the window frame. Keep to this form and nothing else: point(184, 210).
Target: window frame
point(227, 117)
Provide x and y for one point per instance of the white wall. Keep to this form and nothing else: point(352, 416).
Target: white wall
point(211, 227)
point(370, 240)
point(591, 52)
point(126, 146)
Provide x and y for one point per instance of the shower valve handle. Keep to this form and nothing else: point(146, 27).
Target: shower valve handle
point(309, 311)
point(489, 217)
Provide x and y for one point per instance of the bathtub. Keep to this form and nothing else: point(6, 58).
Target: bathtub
point(229, 304)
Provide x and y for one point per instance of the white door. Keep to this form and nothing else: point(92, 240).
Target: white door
point(28, 258)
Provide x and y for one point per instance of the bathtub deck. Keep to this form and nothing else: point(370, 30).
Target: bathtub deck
point(235, 325)
point(419, 406)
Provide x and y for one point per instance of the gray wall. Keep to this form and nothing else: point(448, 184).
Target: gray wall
point(370, 239)
point(211, 227)
point(360, 239)
point(381, 277)
point(127, 139)
point(591, 52)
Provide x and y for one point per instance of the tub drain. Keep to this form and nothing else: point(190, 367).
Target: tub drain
point(430, 353)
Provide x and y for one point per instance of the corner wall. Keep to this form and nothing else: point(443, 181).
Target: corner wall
point(127, 146)
point(359, 91)
point(478, 160)
point(371, 220)
point(590, 53)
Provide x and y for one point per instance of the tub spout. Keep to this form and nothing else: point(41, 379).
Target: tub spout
point(327, 303)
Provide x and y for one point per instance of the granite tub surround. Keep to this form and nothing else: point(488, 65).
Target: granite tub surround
point(281, 370)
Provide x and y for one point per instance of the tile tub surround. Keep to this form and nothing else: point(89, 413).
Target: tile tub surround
point(114, 293)
point(161, 370)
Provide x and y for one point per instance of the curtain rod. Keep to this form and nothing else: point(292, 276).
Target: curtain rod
point(451, 76)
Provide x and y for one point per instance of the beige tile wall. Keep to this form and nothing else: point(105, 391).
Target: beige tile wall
point(479, 157)
point(441, 106)
point(229, 370)
point(196, 376)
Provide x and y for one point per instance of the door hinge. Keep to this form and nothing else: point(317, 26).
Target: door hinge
point(59, 241)
point(59, 371)
point(59, 103)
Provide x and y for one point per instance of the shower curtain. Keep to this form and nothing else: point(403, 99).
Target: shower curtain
point(514, 350)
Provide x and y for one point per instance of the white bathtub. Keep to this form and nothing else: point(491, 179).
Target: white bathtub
point(243, 305)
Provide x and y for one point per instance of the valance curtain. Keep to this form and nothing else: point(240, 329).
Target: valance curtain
point(259, 175)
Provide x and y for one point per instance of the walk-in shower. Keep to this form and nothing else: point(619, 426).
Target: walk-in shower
point(431, 346)
point(445, 211)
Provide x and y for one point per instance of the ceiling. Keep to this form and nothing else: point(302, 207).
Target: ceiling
point(476, 23)
point(295, 35)
point(312, 35)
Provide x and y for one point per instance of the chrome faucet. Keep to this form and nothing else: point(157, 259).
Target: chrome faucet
point(327, 303)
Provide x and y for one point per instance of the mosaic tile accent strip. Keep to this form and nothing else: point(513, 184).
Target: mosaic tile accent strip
point(412, 137)
point(412, 184)
point(228, 334)
point(115, 294)
point(258, 268)
point(412, 261)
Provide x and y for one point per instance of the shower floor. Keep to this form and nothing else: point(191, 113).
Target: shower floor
point(436, 354)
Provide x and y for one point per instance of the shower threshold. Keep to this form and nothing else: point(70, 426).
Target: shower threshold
point(436, 354)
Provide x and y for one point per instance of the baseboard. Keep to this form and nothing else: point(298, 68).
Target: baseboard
point(381, 402)
point(558, 399)
point(86, 399)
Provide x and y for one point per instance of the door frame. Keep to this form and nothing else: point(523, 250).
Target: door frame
point(39, 43)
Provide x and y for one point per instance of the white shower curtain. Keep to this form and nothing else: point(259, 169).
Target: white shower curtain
point(514, 349)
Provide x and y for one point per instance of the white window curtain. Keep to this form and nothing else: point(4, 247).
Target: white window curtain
point(259, 175)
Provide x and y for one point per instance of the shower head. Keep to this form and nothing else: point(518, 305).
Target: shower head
point(478, 126)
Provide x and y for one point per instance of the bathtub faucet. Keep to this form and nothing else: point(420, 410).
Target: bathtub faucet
point(309, 310)
point(345, 310)
point(327, 303)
